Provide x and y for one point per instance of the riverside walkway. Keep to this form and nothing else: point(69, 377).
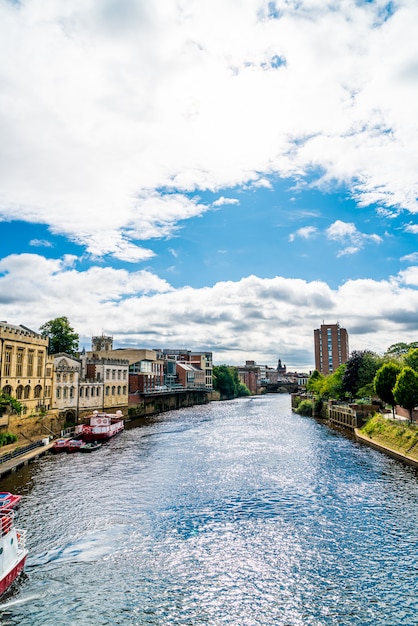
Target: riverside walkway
point(13, 457)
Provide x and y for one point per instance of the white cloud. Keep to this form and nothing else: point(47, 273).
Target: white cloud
point(107, 104)
point(41, 243)
point(411, 228)
point(222, 201)
point(254, 318)
point(306, 232)
point(347, 232)
point(410, 258)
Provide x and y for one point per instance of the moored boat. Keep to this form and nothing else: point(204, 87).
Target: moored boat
point(60, 445)
point(90, 446)
point(100, 426)
point(74, 445)
point(8, 501)
point(13, 552)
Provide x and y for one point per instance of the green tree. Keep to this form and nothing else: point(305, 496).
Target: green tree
point(360, 370)
point(223, 381)
point(315, 382)
point(6, 400)
point(227, 382)
point(61, 335)
point(332, 385)
point(411, 359)
point(398, 350)
point(405, 391)
point(384, 382)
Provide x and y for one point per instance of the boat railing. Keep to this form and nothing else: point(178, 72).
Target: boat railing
point(21, 538)
point(6, 523)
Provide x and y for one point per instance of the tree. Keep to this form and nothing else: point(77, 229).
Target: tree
point(315, 382)
point(227, 382)
point(398, 350)
point(411, 359)
point(223, 381)
point(405, 391)
point(332, 386)
point(62, 337)
point(8, 401)
point(360, 370)
point(384, 382)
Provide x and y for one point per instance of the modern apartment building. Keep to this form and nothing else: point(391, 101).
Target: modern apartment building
point(331, 347)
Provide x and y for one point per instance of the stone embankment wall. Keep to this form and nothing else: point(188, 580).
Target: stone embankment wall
point(29, 428)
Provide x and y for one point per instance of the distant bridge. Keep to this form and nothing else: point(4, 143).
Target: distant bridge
point(282, 387)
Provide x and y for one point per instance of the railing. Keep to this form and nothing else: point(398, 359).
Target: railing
point(19, 451)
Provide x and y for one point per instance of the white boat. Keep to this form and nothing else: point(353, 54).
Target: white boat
point(13, 552)
point(100, 426)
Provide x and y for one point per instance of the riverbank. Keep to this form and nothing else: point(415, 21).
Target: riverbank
point(398, 440)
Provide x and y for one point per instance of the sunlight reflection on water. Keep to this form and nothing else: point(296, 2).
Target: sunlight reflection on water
point(231, 513)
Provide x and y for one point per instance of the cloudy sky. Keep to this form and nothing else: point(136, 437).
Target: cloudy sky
point(221, 175)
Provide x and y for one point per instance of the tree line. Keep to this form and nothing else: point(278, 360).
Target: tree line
point(392, 377)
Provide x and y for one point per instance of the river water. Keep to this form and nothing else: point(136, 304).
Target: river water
point(238, 513)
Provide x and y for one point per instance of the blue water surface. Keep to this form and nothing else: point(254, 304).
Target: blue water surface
point(238, 513)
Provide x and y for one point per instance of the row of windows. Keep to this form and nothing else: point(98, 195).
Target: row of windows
point(113, 374)
point(89, 392)
point(34, 362)
point(25, 392)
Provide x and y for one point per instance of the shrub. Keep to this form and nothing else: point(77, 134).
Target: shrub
point(304, 408)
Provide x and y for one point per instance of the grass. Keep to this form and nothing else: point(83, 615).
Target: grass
point(401, 437)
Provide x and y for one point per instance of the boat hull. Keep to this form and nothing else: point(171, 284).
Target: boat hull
point(94, 435)
point(9, 577)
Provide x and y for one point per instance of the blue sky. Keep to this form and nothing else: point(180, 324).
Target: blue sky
point(214, 177)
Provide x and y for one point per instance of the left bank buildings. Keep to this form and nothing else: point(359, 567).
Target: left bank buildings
point(57, 389)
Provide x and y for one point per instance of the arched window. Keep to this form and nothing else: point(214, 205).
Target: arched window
point(71, 392)
point(118, 390)
point(27, 392)
point(19, 392)
point(58, 392)
point(64, 392)
point(113, 390)
point(37, 392)
point(7, 390)
point(107, 390)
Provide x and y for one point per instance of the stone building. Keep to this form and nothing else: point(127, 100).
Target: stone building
point(25, 369)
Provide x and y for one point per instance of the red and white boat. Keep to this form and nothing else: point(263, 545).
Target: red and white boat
point(100, 426)
point(13, 552)
point(8, 501)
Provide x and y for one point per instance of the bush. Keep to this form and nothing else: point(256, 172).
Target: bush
point(305, 407)
point(6, 438)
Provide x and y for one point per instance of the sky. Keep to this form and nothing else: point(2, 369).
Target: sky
point(222, 176)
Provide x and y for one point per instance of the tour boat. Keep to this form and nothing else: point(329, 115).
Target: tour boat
point(8, 501)
point(13, 552)
point(100, 426)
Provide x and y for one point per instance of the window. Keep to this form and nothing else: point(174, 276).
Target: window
point(19, 392)
point(64, 393)
point(7, 368)
point(7, 390)
point(119, 390)
point(81, 392)
point(37, 392)
point(58, 392)
point(40, 363)
point(58, 377)
point(19, 362)
point(71, 392)
point(29, 369)
point(27, 392)
point(113, 390)
point(108, 390)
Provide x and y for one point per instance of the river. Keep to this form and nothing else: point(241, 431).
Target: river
point(238, 513)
